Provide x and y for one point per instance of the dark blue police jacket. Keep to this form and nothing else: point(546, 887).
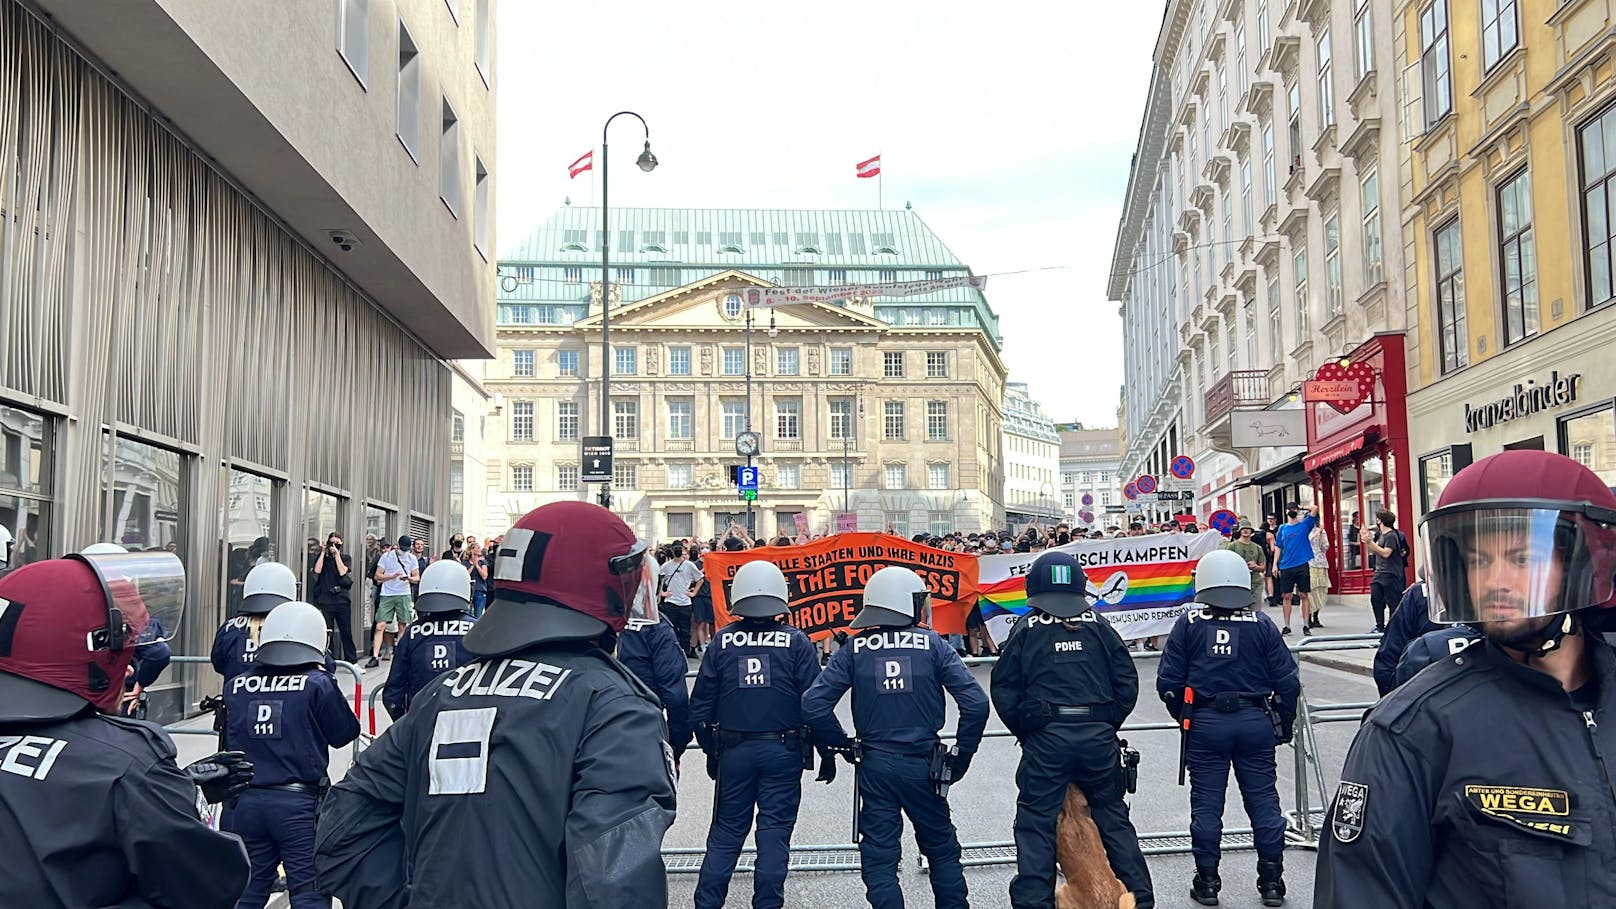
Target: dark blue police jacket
point(286, 720)
point(752, 679)
point(1218, 652)
point(897, 676)
point(651, 651)
point(430, 646)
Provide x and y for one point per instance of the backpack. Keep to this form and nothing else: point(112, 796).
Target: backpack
point(1401, 552)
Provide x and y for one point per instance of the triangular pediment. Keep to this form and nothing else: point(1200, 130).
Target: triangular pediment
point(701, 306)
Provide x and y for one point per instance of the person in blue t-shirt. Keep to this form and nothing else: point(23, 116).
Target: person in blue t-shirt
point(1292, 552)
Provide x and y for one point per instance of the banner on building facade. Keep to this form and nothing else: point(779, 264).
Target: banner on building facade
point(786, 296)
point(1140, 584)
point(826, 579)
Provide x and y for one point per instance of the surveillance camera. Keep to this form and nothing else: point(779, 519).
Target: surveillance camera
point(344, 240)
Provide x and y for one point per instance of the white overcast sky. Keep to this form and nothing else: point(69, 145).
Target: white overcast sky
point(1009, 125)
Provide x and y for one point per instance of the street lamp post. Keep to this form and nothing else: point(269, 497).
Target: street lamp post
point(647, 163)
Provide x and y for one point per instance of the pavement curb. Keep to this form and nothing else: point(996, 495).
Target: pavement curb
point(1331, 660)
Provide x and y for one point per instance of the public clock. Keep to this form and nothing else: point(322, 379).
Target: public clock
point(746, 444)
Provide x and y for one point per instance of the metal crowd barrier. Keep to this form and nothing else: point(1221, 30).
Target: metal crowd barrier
point(352, 670)
point(1303, 822)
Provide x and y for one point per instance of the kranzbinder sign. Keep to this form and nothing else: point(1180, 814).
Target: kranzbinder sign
point(826, 579)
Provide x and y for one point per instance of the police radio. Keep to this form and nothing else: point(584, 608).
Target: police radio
point(1130, 766)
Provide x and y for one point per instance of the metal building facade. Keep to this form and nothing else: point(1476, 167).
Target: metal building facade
point(177, 370)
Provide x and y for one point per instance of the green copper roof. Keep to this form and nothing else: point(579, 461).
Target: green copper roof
point(739, 237)
point(657, 249)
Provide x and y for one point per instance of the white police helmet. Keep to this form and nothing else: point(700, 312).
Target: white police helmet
point(445, 587)
point(267, 586)
point(103, 549)
point(293, 634)
point(894, 596)
point(1223, 581)
point(758, 591)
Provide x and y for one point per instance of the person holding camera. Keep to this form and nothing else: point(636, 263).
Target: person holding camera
point(331, 580)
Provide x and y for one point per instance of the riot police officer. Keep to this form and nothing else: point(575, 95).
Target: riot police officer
point(897, 669)
point(747, 707)
point(1485, 780)
point(1063, 686)
point(1432, 646)
point(93, 809)
point(152, 654)
point(649, 647)
point(236, 643)
point(1228, 679)
point(285, 713)
point(433, 643)
point(543, 747)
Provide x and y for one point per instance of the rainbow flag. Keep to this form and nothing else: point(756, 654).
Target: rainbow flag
point(1150, 584)
point(1132, 594)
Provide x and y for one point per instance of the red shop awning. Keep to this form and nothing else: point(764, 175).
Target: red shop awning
point(1339, 452)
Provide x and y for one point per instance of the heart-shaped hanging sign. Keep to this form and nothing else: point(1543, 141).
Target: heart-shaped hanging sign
point(1344, 388)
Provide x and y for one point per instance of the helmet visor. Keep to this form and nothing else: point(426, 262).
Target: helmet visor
point(145, 592)
point(1507, 561)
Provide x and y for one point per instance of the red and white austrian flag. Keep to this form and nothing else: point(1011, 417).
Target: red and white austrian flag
point(869, 168)
point(585, 162)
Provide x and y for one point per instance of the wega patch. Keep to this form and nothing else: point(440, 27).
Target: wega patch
point(1351, 807)
point(1524, 806)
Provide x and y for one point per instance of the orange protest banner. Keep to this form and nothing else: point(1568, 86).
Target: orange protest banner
point(826, 579)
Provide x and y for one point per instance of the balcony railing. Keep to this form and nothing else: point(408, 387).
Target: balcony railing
point(1240, 388)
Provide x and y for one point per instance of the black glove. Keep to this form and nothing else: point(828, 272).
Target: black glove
point(1175, 704)
point(827, 766)
point(1287, 731)
point(222, 776)
point(712, 767)
point(957, 765)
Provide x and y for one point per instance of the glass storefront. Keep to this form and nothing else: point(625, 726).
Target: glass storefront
point(25, 503)
point(378, 527)
point(1363, 486)
point(322, 515)
point(1436, 469)
point(252, 521)
point(1590, 439)
point(148, 504)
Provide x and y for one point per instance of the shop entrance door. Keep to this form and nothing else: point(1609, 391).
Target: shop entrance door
point(1363, 486)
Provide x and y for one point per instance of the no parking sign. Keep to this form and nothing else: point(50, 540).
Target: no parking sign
point(1224, 521)
point(1183, 467)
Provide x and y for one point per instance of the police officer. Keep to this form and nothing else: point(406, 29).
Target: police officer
point(433, 643)
point(542, 747)
point(1063, 685)
point(93, 809)
point(152, 654)
point(1227, 673)
point(285, 713)
point(649, 647)
point(897, 669)
point(235, 645)
point(747, 707)
point(1426, 649)
point(1409, 621)
point(1485, 781)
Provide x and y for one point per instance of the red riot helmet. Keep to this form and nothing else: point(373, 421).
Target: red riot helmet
point(1520, 535)
point(567, 571)
point(69, 628)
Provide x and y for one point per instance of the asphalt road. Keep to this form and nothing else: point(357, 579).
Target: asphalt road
point(984, 807)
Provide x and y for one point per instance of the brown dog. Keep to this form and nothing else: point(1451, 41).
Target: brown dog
point(1090, 884)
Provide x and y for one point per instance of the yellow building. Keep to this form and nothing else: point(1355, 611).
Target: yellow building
point(1509, 119)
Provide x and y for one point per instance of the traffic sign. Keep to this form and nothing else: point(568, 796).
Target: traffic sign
point(1115, 509)
point(1224, 521)
point(1086, 517)
point(1088, 499)
point(1146, 483)
point(1182, 467)
point(747, 478)
point(1131, 491)
point(597, 460)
